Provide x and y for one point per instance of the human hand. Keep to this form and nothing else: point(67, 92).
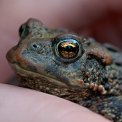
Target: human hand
point(80, 15)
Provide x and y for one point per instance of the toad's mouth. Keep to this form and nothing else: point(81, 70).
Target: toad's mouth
point(38, 77)
point(13, 58)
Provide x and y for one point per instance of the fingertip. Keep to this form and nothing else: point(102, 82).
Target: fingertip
point(21, 104)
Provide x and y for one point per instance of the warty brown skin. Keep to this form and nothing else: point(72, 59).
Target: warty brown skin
point(73, 67)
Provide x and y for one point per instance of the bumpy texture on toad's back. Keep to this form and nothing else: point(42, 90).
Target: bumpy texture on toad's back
point(73, 67)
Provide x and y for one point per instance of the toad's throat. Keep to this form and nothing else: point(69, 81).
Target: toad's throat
point(49, 85)
point(39, 77)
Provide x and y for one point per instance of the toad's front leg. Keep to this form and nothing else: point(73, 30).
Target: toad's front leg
point(110, 107)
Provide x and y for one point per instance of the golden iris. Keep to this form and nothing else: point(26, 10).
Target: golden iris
point(68, 49)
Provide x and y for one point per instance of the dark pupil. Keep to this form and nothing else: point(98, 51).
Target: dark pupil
point(68, 49)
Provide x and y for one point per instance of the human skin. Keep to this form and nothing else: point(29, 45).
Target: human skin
point(100, 19)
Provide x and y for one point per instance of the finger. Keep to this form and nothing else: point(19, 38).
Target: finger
point(23, 105)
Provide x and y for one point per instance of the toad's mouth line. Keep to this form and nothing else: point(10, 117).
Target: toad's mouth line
point(29, 74)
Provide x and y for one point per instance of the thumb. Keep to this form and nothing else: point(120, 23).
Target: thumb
point(23, 105)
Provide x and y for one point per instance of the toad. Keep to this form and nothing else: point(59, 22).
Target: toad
point(70, 66)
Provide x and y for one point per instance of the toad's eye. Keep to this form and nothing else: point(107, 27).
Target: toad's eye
point(67, 48)
point(23, 31)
